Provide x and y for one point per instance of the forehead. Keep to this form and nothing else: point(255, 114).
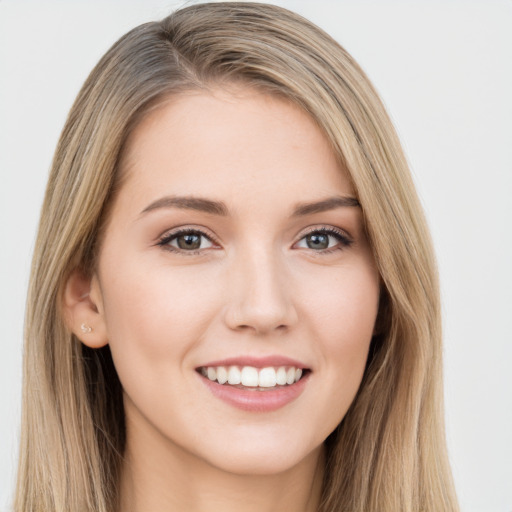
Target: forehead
point(230, 145)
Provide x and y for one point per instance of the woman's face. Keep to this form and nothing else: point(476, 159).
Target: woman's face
point(235, 250)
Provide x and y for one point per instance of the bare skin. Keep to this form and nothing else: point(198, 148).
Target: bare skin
point(161, 481)
point(253, 274)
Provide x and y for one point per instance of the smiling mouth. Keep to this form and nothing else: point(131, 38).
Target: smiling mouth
point(255, 379)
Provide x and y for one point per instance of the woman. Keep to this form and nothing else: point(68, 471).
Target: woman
point(234, 299)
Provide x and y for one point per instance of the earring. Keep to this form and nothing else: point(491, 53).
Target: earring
point(86, 329)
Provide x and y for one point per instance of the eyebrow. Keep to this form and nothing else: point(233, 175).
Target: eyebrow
point(219, 207)
point(189, 203)
point(324, 205)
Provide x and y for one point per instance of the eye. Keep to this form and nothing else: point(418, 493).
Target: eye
point(186, 241)
point(325, 240)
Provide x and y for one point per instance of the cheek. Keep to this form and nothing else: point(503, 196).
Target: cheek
point(344, 320)
point(155, 315)
point(344, 305)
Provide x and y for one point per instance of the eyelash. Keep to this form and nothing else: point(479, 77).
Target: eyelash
point(167, 238)
point(343, 239)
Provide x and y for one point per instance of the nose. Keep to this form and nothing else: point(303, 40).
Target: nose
point(260, 295)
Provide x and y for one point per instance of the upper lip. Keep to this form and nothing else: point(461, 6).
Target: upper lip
point(257, 362)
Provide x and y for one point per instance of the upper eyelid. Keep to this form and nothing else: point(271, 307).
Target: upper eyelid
point(188, 229)
point(169, 234)
point(334, 229)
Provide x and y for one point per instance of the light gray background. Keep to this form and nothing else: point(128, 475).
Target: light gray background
point(444, 70)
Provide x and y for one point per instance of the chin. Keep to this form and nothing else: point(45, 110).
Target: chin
point(262, 459)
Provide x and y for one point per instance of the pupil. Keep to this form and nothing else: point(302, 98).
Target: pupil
point(189, 242)
point(318, 241)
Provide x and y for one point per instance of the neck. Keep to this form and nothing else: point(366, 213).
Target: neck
point(162, 477)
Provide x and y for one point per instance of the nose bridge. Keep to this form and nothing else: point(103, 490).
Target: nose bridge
point(260, 298)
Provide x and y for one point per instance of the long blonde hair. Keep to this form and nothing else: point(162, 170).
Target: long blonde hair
point(388, 454)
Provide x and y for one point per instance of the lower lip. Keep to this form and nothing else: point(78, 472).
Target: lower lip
point(254, 400)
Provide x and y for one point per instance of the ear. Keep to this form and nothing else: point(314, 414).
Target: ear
point(83, 309)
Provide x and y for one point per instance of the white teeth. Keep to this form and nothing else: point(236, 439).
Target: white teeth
point(233, 375)
point(281, 376)
point(222, 375)
point(267, 378)
point(250, 376)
